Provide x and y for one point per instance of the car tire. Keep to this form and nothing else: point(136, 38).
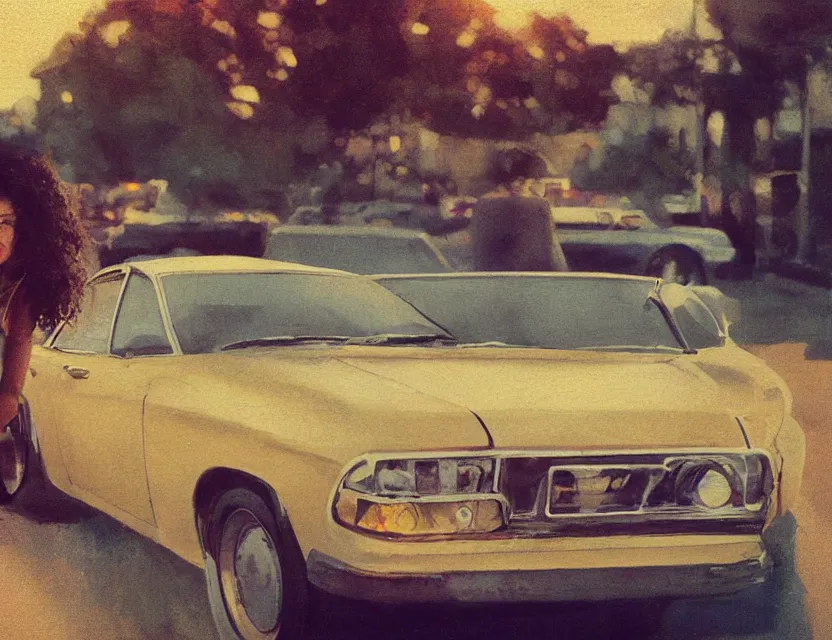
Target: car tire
point(22, 479)
point(255, 574)
point(677, 264)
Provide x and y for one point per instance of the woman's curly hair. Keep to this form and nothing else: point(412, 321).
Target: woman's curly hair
point(51, 243)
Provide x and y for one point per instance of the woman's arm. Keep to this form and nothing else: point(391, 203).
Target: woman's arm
point(17, 351)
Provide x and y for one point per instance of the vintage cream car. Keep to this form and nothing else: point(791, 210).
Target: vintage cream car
point(281, 425)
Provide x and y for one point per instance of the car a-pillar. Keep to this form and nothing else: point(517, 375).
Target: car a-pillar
point(254, 568)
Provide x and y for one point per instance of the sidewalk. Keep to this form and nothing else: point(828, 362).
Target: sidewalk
point(818, 274)
point(776, 309)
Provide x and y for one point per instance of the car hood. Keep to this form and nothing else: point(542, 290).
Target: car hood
point(557, 400)
point(344, 401)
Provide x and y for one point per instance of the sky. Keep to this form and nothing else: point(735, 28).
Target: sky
point(31, 28)
point(607, 21)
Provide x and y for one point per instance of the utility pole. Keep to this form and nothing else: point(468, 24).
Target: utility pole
point(699, 174)
point(803, 220)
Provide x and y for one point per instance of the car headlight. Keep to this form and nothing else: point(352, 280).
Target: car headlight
point(739, 483)
point(714, 489)
point(419, 497)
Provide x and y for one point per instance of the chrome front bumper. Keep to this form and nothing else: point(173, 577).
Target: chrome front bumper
point(550, 585)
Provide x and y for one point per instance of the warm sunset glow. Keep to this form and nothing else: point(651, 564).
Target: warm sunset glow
point(268, 19)
point(32, 27)
point(242, 110)
point(113, 32)
point(466, 39)
point(607, 21)
point(286, 57)
point(224, 27)
point(245, 93)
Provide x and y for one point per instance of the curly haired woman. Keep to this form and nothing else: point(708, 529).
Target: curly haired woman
point(42, 272)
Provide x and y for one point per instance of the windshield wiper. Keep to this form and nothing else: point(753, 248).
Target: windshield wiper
point(401, 338)
point(630, 347)
point(655, 298)
point(285, 341)
point(494, 343)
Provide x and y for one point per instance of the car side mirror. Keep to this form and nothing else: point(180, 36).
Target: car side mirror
point(726, 310)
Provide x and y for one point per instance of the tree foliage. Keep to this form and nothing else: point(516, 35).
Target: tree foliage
point(225, 96)
point(647, 165)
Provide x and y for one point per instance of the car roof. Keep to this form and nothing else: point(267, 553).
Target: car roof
point(572, 275)
point(354, 231)
point(221, 264)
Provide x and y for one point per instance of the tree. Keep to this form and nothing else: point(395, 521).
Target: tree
point(643, 167)
point(571, 78)
point(786, 39)
point(141, 104)
point(221, 97)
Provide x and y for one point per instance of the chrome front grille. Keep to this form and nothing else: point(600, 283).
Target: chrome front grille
point(605, 495)
point(589, 490)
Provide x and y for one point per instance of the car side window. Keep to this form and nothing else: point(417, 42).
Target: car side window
point(140, 329)
point(91, 330)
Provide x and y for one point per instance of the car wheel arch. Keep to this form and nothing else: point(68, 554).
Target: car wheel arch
point(220, 479)
point(228, 491)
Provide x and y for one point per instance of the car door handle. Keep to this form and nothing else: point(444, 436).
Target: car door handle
point(77, 372)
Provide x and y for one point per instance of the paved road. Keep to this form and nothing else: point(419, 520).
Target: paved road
point(86, 577)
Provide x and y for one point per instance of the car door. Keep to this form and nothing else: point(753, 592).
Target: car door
point(101, 369)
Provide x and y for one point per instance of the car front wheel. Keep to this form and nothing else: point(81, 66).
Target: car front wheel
point(254, 572)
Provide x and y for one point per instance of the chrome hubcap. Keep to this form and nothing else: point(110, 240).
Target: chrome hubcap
point(12, 459)
point(251, 578)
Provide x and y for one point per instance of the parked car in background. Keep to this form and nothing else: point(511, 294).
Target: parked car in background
point(447, 217)
point(358, 249)
point(279, 425)
point(627, 241)
point(594, 239)
point(358, 213)
point(131, 241)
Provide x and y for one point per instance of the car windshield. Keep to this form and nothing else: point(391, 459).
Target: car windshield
point(357, 254)
point(210, 311)
point(548, 312)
